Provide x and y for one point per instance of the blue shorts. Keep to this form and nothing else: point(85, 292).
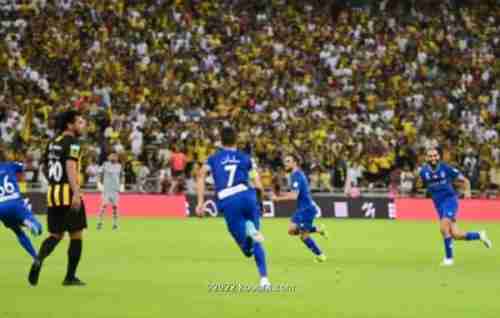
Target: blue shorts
point(13, 213)
point(237, 210)
point(304, 218)
point(447, 208)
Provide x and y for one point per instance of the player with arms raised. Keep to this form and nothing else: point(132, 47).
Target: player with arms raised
point(14, 210)
point(302, 220)
point(237, 201)
point(438, 178)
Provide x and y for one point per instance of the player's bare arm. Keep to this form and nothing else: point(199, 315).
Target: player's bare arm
point(200, 189)
point(464, 182)
point(72, 170)
point(285, 196)
point(257, 181)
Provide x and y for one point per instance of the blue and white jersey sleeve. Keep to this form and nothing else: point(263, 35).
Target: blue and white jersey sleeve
point(300, 185)
point(17, 167)
point(295, 183)
point(451, 172)
point(422, 173)
point(209, 162)
point(9, 188)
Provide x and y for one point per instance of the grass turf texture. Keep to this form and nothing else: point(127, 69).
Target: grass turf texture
point(163, 268)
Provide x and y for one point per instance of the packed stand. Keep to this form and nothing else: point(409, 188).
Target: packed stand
point(357, 92)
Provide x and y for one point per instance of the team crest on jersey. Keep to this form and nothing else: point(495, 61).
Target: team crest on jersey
point(74, 150)
point(443, 174)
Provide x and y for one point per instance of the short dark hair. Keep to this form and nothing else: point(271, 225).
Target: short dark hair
point(439, 150)
point(296, 158)
point(228, 136)
point(66, 118)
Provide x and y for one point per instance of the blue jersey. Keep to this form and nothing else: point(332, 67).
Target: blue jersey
point(300, 185)
point(9, 189)
point(230, 170)
point(236, 201)
point(439, 181)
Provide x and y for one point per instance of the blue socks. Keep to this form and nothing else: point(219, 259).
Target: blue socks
point(25, 242)
point(472, 236)
point(448, 243)
point(256, 248)
point(260, 259)
point(448, 247)
point(250, 247)
point(311, 244)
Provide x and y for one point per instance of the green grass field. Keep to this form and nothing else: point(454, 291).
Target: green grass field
point(163, 268)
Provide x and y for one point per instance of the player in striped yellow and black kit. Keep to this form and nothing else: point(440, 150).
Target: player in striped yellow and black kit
point(66, 212)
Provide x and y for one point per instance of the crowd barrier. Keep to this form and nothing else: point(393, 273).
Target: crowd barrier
point(329, 206)
point(130, 204)
point(469, 209)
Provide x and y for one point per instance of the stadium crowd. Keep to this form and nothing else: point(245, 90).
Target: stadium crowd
point(356, 90)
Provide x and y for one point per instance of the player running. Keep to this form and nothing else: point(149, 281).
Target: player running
point(438, 177)
point(237, 201)
point(302, 221)
point(15, 211)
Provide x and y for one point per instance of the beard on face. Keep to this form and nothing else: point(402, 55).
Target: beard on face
point(433, 163)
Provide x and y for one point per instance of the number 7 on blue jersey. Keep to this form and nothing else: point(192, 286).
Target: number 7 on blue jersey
point(232, 171)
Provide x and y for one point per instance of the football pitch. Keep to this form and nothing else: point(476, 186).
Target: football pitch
point(171, 268)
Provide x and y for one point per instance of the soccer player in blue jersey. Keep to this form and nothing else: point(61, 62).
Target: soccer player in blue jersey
point(15, 212)
point(230, 169)
point(438, 178)
point(302, 221)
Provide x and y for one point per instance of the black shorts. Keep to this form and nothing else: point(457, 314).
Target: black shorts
point(63, 219)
